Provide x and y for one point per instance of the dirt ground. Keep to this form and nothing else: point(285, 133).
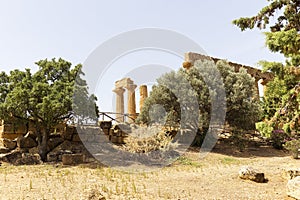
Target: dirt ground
point(190, 177)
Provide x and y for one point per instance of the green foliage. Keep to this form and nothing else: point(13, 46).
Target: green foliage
point(242, 108)
point(44, 98)
point(287, 20)
point(264, 128)
point(281, 101)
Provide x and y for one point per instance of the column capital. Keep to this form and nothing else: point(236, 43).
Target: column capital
point(131, 87)
point(119, 90)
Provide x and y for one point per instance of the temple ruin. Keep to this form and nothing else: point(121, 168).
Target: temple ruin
point(260, 77)
point(128, 84)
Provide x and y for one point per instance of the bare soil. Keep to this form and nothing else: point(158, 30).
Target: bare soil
point(190, 177)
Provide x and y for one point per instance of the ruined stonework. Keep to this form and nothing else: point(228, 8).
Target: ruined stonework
point(259, 76)
point(120, 86)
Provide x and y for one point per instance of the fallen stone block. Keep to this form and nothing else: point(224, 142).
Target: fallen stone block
point(26, 142)
point(72, 159)
point(4, 150)
point(54, 142)
point(293, 187)
point(292, 173)
point(7, 143)
point(248, 173)
point(11, 157)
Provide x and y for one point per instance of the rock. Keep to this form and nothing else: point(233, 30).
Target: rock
point(248, 173)
point(94, 194)
point(293, 187)
point(11, 157)
point(28, 159)
point(292, 173)
point(68, 133)
point(57, 156)
point(10, 144)
point(76, 138)
point(4, 150)
point(31, 134)
point(33, 150)
point(54, 142)
point(26, 142)
point(72, 159)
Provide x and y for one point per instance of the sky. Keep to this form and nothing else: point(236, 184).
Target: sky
point(32, 30)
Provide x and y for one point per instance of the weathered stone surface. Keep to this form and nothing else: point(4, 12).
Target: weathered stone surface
point(57, 155)
point(76, 138)
point(68, 133)
point(293, 187)
point(7, 143)
point(72, 159)
point(26, 142)
point(292, 173)
point(12, 157)
point(33, 150)
point(54, 142)
point(4, 150)
point(248, 173)
point(31, 134)
point(93, 194)
point(28, 159)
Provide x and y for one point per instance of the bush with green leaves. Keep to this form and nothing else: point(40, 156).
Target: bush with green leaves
point(45, 98)
point(281, 101)
point(240, 103)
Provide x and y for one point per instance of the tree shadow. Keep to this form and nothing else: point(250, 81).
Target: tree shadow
point(249, 149)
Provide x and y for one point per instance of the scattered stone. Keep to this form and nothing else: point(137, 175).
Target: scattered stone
point(68, 133)
point(293, 187)
point(76, 138)
point(94, 194)
point(54, 142)
point(72, 159)
point(292, 173)
point(248, 173)
point(10, 144)
point(11, 157)
point(33, 150)
point(26, 142)
point(4, 150)
point(57, 155)
point(31, 134)
point(28, 159)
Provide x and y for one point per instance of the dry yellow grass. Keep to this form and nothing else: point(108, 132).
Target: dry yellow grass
point(214, 177)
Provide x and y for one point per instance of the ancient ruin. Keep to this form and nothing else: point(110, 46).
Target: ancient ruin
point(260, 77)
point(128, 84)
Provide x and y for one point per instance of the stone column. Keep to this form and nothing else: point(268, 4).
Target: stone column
point(143, 95)
point(119, 104)
point(264, 84)
point(131, 102)
point(256, 87)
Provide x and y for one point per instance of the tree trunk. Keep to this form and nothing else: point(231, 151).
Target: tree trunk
point(43, 146)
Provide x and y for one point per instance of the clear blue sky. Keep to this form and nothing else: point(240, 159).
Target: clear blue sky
point(32, 30)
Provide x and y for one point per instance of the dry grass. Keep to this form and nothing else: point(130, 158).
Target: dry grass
point(148, 139)
point(214, 177)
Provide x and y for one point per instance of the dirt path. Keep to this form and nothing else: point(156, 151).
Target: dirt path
point(214, 177)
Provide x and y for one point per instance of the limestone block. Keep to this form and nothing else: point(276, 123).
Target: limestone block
point(31, 134)
point(293, 188)
point(4, 150)
point(72, 159)
point(54, 142)
point(26, 142)
point(292, 173)
point(28, 159)
point(248, 173)
point(68, 133)
point(10, 144)
point(76, 138)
